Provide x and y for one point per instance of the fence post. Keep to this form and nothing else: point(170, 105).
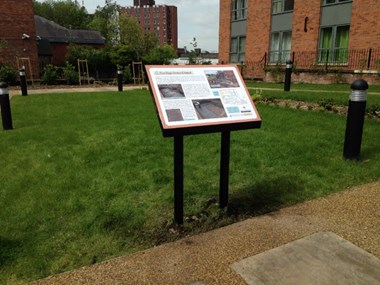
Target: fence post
point(369, 58)
point(265, 59)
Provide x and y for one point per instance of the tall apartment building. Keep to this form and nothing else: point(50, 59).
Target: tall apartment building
point(313, 32)
point(143, 2)
point(158, 19)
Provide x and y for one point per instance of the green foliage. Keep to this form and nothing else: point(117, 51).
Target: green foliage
point(105, 20)
point(127, 75)
point(150, 41)
point(131, 35)
point(276, 71)
point(97, 59)
point(70, 74)
point(194, 53)
point(8, 74)
point(374, 111)
point(257, 96)
point(121, 55)
point(50, 75)
point(326, 104)
point(338, 93)
point(160, 55)
point(67, 13)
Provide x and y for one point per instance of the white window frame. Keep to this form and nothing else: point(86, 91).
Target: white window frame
point(278, 6)
point(237, 52)
point(333, 2)
point(280, 54)
point(332, 54)
point(239, 9)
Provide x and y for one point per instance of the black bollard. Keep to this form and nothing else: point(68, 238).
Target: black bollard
point(288, 75)
point(24, 89)
point(355, 119)
point(120, 79)
point(5, 107)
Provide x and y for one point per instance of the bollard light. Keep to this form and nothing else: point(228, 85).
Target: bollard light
point(5, 107)
point(355, 120)
point(24, 89)
point(288, 75)
point(120, 79)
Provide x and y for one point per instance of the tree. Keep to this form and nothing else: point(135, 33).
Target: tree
point(131, 35)
point(160, 55)
point(150, 42)
point(122, 55)
point(67, 13)
point(194, 53)
point(98, 59)
point(106, 21)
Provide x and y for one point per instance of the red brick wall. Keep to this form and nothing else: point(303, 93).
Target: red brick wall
point(168, 26)
point(258, 29)
point(301, 40)
point(224, 31)
point(173, 27)
point(364, 31)
point(17, 18)
point(59, 51)
point(365, 27)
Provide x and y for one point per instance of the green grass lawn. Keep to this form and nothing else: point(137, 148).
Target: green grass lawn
point(309, 92)
point(88, 176)
point(310, 86)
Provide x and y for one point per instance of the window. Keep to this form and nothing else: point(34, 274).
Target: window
point(280, 45)
point(333, 44)
point(327, 2)
point(237, 51)
point(280, 6)
point(239, 9)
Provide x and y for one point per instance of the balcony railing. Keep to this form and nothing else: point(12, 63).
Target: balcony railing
point(339, 59)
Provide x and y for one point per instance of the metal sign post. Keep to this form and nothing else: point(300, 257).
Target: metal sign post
point(178, 179)
point(197, 99)
point(224, 169)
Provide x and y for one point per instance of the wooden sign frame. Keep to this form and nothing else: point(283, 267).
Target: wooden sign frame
point(195, 99)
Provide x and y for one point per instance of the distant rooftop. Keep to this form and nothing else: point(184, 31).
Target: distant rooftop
point(141, 3)
point(46, 29)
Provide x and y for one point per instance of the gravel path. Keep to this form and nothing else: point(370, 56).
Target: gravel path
point(353, 214)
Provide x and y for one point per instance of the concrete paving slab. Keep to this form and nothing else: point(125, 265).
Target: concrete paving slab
point(319, 259)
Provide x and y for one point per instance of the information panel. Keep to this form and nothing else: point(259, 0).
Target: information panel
point(197, 99)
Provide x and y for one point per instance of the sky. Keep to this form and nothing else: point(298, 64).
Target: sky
point(196, 19)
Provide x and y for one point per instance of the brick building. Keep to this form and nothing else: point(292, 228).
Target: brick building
point(339, 34)
point(53, 41)
point(32, 41)
point(158, 19)
point(18, 34)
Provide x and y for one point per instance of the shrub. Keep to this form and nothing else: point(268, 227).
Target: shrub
point(326, 104)
point(70, 74)
point(127, 76)
point(8, 74)
point(374, 111)
point(50, 75)
point(98, 60)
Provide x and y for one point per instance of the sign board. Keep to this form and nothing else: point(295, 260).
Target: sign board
point(199, 99)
